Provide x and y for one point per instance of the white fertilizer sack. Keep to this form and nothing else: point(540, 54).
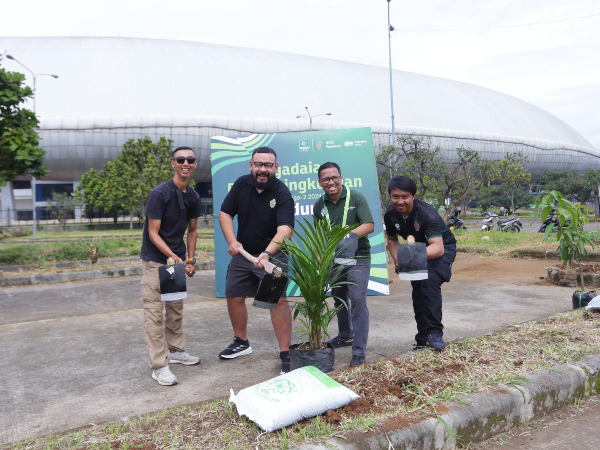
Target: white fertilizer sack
point(292, 397)
point(594, 304)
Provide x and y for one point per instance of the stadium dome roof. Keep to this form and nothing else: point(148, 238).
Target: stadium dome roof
point(128, 82)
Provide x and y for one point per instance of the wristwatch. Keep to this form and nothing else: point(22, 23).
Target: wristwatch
point(268, 253)
point(192, 261)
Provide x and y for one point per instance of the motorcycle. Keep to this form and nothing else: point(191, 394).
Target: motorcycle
point(552, 218)
point(488, 221)
point(455, 221)
point(510, 224)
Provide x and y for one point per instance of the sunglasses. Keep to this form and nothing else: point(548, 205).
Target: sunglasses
point(181, 160)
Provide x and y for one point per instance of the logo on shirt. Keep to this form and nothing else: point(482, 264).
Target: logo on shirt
point(272, 203)
point(397, 226)
point(304, 147)
point(417, 227)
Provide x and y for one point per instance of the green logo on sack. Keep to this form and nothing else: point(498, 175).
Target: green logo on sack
point(330, 142)
point(349, 143)
point(279, 387)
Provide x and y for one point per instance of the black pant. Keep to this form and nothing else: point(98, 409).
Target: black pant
point(427, 295)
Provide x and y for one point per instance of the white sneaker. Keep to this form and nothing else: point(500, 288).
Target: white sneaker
point(182, 358)
point(164, 376)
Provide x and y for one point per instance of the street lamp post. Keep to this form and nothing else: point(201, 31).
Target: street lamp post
point(34, 96)
point(311, 116)
point(390, 29)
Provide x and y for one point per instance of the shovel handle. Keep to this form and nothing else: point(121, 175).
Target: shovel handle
point(246, 255)
point(268, 266)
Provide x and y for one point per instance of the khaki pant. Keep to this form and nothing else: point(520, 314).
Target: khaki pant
point(153, 318)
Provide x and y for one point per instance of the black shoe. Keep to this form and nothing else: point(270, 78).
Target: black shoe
point(238, 348)
point(339, 341)
point(436, 342)
point(285, 362)
point(357, 361)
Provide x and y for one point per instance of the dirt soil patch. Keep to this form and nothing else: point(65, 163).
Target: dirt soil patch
point(468, 267)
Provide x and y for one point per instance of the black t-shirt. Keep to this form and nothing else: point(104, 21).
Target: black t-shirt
point(423, 223)
point(259, 215)
point(163, 205)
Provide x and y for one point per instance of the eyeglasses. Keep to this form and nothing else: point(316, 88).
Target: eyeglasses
point(327, 180)
point(259, 165)
point(181, 160)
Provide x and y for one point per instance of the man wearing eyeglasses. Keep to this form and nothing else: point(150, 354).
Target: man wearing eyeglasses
point(346, 207)
point(265, 210)
point(165, 226)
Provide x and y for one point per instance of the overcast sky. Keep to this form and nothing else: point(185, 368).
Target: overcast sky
point(554, 65)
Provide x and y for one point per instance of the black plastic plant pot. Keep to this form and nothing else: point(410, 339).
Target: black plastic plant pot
point(581, 299)
point(323, 359)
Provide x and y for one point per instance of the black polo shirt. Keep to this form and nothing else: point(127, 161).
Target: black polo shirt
point(423, 223)
point(164, 206)
point(259, 215)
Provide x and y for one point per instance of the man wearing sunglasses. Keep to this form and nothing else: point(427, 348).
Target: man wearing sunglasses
point(265, 210)
point(172, 208)
point(346, 207)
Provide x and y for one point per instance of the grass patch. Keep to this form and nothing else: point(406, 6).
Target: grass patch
point(394, 393)
point(43, 254)
point(504, 243)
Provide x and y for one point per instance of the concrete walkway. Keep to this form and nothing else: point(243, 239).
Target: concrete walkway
point(73, 354)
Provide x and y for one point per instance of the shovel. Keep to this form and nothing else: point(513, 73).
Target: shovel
point(172, 281)
point(272, 285)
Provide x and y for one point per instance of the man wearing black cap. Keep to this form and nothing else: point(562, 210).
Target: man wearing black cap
point(265, 210)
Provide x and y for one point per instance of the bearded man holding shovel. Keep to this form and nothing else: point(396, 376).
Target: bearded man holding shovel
point(265, 210)
point(166, 223)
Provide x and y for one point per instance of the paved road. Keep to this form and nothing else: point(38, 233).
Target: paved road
point(73, 354)
point(475, 225)
point(577, 431)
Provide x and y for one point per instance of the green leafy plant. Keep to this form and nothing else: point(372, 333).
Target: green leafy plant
point(311, 266)
point(570, 235)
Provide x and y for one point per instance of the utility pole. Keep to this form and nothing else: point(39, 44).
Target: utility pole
point(34, 97)
point(390, 29)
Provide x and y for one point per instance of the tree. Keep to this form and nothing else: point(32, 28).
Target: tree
point(19, 151)
point(495, 196)
point(417, 158)
point(573, 185)
point(436, 179)
point(61, 207)
point(125, 182)
point(463, 178)
point(514, 175)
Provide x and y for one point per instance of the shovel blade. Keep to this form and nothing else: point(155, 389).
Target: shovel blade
point(270, 291)
point(172, 282)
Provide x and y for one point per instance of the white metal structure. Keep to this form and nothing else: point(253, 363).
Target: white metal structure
point(114, 89)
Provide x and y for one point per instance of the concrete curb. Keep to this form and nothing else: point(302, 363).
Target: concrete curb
point(68, 277)
point(487, 413)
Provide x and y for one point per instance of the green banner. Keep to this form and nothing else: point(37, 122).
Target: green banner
point(299, 156)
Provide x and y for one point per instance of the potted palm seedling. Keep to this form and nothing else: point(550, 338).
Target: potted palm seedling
point(312, 267)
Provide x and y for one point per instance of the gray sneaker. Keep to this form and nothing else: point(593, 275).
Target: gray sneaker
point(164, 376)
point(182, 358)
